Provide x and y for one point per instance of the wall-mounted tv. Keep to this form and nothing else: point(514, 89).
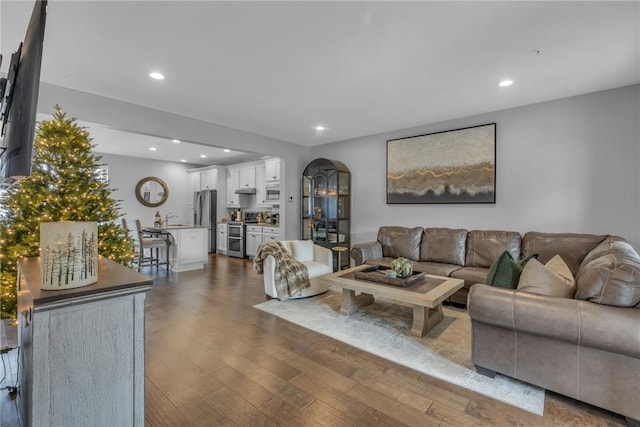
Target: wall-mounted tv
point(20, 100)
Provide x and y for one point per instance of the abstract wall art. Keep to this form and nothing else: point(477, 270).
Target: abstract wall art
point(456, 166)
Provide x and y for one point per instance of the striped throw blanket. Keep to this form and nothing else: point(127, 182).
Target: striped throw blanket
point(290, 276)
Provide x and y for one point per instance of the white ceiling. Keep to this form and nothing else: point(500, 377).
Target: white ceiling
point(113, 141)
point(358, 68)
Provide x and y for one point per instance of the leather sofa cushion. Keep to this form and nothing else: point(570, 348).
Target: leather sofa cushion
point(400, 242)
point(485, 246)
point(570, 246)
point(552, 279)
point(435, 268)
point(610, 276)
point(444, 245)
point(610, 244)
point(471, 275)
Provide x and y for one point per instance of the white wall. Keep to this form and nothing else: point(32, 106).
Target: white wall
point(570, 165)
point(124, 174)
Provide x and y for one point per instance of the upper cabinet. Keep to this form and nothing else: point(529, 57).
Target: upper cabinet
point(261, 194)
point(272, 170)
point(209, 179)
point(194, 184)
point(203, 179)
point(247, 177)
point(233, 183)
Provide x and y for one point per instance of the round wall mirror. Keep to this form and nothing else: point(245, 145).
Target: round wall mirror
point(152, 191)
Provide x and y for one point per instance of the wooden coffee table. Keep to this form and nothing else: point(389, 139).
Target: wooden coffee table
point(425, 296)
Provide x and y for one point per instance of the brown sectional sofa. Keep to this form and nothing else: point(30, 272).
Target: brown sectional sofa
point(587, 348)
point(468, 254)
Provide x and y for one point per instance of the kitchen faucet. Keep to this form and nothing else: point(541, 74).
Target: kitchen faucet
point(167, 217)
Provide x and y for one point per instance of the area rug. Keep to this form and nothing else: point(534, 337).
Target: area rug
point(383, 328)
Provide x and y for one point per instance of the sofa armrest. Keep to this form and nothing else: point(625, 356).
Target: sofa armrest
point(323, 256)
point(361, 252)
point(583, 323)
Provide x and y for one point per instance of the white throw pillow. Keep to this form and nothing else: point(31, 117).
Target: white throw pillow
point(287, 246)
point(302, 250)
point(553, 279)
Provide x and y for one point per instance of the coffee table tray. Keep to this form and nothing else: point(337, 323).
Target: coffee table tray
point(376, 274)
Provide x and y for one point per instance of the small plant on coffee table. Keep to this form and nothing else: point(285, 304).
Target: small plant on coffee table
point(402, 266)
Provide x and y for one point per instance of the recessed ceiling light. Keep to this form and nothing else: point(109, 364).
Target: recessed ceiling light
point(157, 76)
point(226, 150)
point(152, 149)
point(176, 141)
point(320, 128)
point(203, 155)
point(183, 161)
point(505, 83)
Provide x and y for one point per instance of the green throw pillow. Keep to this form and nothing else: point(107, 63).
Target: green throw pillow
point(505, 272)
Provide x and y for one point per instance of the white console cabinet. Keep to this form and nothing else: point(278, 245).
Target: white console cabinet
point(82, 350)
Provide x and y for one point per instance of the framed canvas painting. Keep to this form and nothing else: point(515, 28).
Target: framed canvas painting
point(456, 166)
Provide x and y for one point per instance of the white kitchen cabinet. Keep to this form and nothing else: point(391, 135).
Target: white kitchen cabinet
point(209, 179)
point(221, 241)
point(189, 247)
point(233, 183)
point(253, 239)
point(194, 185)
point(247, 176)
point(82, 350)
point(261, 193)
point(272, 170)
point(270, 233)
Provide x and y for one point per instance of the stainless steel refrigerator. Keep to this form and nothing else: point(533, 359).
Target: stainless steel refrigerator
point(205, 214)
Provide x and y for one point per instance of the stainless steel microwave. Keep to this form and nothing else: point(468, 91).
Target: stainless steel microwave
point(273, 193)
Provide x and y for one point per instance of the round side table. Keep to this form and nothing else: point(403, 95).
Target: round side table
point(339, 249)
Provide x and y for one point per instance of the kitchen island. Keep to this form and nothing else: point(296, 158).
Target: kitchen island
point(189, 249)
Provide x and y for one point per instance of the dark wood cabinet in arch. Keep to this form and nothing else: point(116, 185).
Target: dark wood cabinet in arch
point(326, 207)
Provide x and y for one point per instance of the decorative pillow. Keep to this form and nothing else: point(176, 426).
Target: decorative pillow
point(553, 279)
point(505, 272)
point(302, 250)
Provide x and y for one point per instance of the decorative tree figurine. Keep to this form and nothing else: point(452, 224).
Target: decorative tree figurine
point(64, 186)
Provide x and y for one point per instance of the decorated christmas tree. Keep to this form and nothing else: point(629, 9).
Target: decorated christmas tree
point(65, 185)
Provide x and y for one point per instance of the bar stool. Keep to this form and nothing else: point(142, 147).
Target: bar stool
point(153, 244)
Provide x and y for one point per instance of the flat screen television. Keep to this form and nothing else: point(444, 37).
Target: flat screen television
point(20, 100)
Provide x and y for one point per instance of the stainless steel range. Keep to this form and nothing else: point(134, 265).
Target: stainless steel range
point(235, 239)
point(236, 231)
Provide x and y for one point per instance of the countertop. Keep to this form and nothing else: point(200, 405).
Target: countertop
point(111, 277)
point(174, 227)
point(260, 224)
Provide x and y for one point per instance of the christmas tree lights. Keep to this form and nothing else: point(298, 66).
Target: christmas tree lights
point(64, 186)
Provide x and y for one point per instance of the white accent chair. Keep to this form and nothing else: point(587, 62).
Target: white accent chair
point(318, 260)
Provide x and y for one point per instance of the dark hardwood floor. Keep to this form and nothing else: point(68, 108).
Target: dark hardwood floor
point(212, 359)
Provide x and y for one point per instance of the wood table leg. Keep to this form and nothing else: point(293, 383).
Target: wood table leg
point(352, 303)
point(424, 319)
